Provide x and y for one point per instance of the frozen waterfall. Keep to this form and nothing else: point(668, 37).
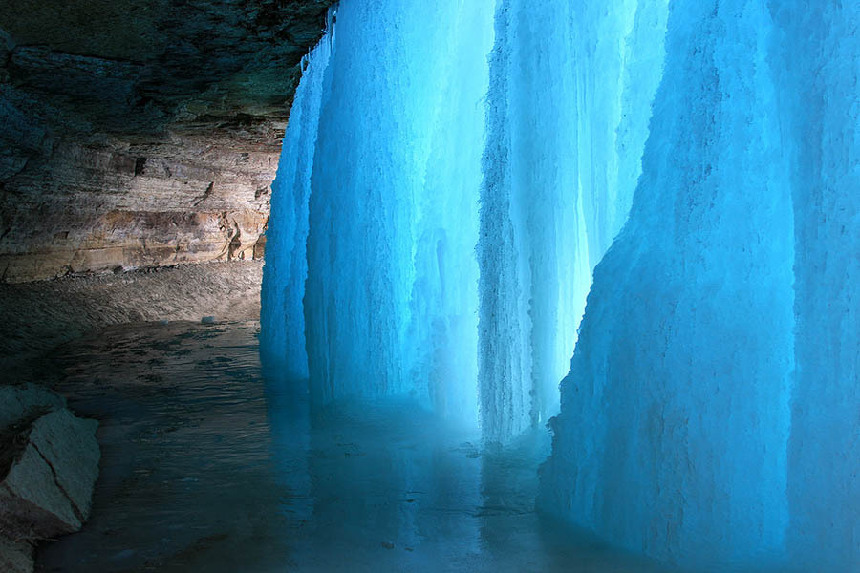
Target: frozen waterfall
point(435, 226)
point(458, 178)
point(569, 102)
point(677, 402)
point(710, 415)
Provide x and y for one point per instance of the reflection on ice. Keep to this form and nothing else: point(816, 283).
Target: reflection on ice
point(389, 487)
point(208, 466)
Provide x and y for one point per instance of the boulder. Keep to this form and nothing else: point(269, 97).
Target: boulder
point(48, 489)
point(48, 468)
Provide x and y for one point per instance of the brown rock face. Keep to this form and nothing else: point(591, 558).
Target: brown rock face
point(87, 209)
point(142, 132)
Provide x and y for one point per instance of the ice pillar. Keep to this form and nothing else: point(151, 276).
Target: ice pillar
point(570, 96)
point(390, 303)
point(282, 339)
point(675, 415)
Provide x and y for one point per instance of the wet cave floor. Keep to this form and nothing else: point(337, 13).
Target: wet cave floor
point(208, 465)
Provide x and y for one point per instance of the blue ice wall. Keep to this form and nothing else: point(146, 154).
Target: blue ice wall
point(372, 280)
point(710, 415)
point(818, 56)
point(391, 293)
point(282, 336)
point(570, 97)
point(442, 336)
point(438, 214)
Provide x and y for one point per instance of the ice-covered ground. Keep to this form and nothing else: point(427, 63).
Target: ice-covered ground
point(209, 466)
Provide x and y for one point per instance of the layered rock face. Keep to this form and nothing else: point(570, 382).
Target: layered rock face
point(142, 133)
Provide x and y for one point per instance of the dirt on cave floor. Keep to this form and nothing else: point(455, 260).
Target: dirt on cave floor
point(36, 317)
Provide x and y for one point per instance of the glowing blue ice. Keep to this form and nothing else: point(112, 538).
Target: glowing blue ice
point(710, 416)
point(282, 317)
point(569, 102)
point(381, 180)
point(393, 121)
point(819, 59)
point(454, 171)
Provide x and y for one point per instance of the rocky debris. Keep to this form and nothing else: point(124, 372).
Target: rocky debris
point(142, 133)
point(48, 488)
point(48, 469)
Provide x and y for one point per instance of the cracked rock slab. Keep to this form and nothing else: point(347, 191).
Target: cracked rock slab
point(48, 489)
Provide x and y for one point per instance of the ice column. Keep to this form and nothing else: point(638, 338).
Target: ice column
point(674, 418)
point(391, 301)
point(282, 338)
point(442, 337)
point(570, 96)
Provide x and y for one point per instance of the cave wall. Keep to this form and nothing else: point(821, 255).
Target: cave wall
point(142, 133)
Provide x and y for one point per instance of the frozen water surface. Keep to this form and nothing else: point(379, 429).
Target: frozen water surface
point(209, 466)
